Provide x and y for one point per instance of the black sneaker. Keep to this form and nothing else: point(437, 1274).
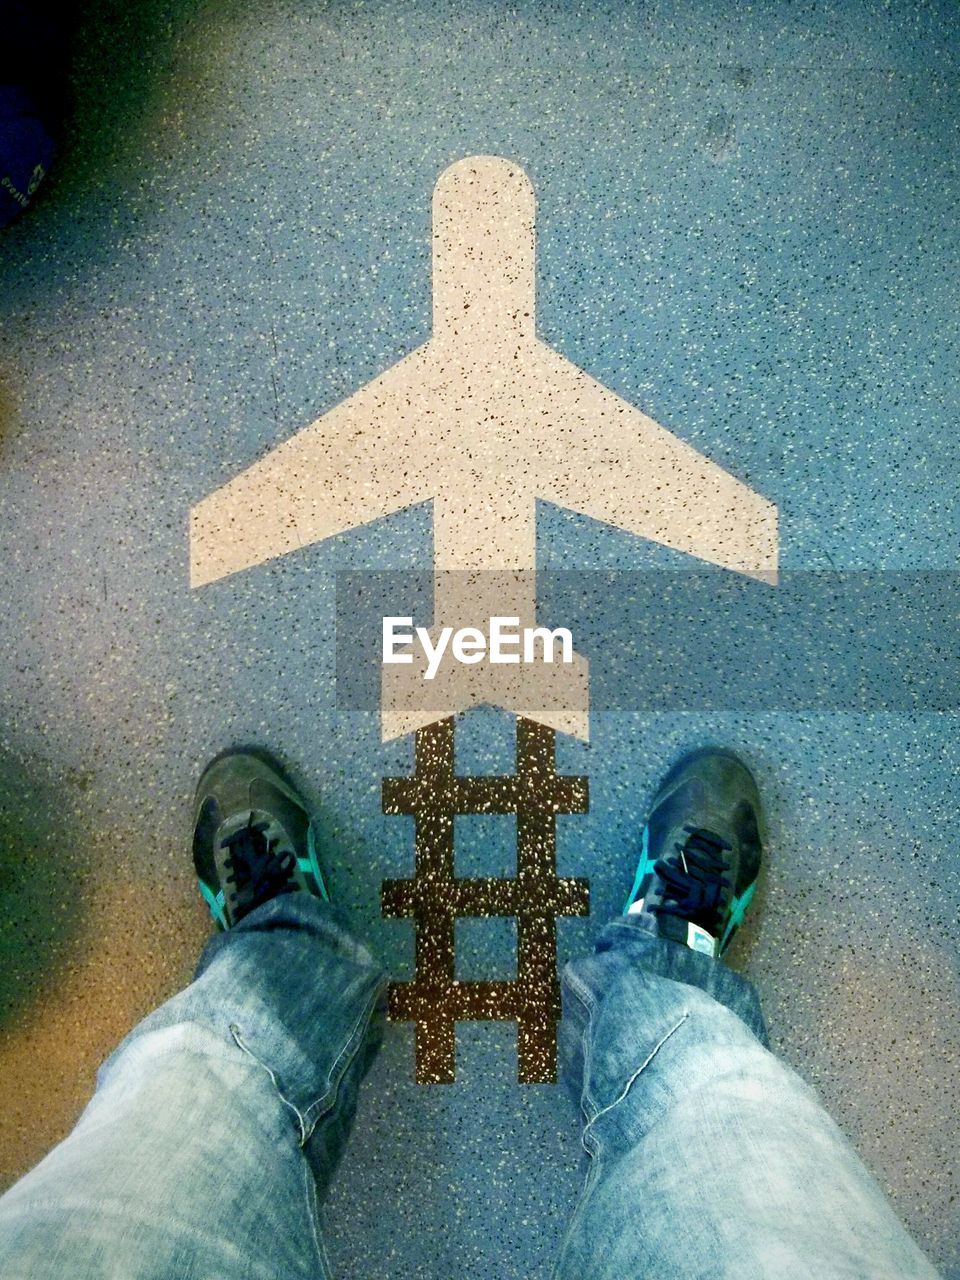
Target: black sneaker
point(701, 852)
point(253, 838)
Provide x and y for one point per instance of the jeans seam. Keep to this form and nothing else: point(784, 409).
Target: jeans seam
point(307, 1118)
point(313, 1213)
point(630, 1082)
point(588, 1106)
point(351, 1048)
point(593, 1175)
point(241, 1044)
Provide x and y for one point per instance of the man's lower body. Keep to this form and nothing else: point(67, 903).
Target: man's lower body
point(709, 1157)
point(216, 1122)
point(216, 1125)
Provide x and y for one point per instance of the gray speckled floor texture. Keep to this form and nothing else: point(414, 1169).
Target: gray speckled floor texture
point(746, 226)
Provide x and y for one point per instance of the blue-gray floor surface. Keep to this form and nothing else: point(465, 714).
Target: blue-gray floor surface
point(746, 226)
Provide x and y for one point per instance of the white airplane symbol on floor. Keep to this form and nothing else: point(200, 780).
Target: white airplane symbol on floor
point(482, 420)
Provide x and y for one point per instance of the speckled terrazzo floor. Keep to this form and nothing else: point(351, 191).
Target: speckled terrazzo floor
point(746, 226)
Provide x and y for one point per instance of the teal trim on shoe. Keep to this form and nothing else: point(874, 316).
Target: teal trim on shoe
point(313, 863)
point(214, 903)
point(737, 914)
point(643, 867)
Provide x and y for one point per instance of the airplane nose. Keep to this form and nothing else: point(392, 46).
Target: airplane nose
point(487, 180)
point(484, 211)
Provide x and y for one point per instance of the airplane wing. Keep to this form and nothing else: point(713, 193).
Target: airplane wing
point(356, 463)
point(601, 456)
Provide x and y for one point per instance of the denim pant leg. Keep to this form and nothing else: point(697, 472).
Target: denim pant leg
point(709, 1157)
point(217, 1120)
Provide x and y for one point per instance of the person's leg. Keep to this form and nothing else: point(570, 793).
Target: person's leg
point(217, 1121)
point(708, 1156)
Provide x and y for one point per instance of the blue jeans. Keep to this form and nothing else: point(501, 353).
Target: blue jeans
point(219, 1120)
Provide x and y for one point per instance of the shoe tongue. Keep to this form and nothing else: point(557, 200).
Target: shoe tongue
point(271, 830)
point(672, 927)
point(699, 939)
point(288, 821)
point(688, 933)
point(699, 930)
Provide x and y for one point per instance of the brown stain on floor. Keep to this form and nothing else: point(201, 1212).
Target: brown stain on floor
point(128, 957)
point(874, 1041)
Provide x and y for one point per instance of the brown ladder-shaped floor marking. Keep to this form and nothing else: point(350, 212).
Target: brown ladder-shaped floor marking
point(435, 898)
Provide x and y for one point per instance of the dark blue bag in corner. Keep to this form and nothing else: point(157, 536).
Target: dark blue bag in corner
point(26, 151)
point(32, 100)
